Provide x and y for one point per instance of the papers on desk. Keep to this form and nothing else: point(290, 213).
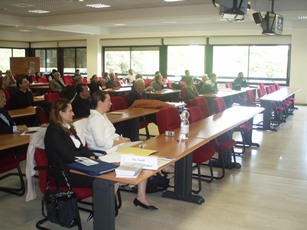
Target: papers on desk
point(150, 162)
point(116, 113)
point(129, 170)
point(136, 151)
point(86, 161)
point(32, 130)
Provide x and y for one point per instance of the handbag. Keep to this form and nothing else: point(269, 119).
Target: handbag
point(61, 206)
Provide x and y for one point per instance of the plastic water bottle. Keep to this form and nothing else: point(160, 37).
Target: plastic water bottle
point(185, 125)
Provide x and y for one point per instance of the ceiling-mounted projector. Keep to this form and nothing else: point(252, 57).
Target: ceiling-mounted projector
point(271, 23)
point(232, 10)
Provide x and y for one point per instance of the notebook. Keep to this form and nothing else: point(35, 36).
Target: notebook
point(93, 170)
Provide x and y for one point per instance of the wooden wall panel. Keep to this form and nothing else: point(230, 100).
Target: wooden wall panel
point(19, 65)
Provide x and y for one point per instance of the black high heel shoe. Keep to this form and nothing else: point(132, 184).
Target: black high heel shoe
point(136, 202)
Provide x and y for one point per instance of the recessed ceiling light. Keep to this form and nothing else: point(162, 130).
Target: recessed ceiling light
point(302, 17)
point(98, 5)
point(23, 5)
point(119, 24)
point(174, 0)
point(39, 11)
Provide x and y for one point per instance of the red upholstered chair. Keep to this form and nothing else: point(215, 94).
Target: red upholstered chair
point(67, 80)
point(7, 97)
point(202, 103)
point(121, 102)
point(45, 181)
point(41, 116)
point(225, 142)
point(168, 119)
point(50, 97)
point(118, 102)
point(261, 85)
point(202, 154)
point(147, 82)
point(42, 80)
point(251, 100)
point(8, 162)
point(229, 85)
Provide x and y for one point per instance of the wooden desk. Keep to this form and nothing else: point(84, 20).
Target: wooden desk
point(39, 98)
point(28, 111)
point(39, 85)
point(12, 140)
point(267, 100)
point(166, 94)
point(103, 186)
point(118, 91)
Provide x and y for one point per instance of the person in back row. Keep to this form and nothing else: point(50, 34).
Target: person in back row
point(100, 134)
point(80, 103)
point(240, 81)
point(56, 84)
point(7, 124)
point(95, 85)
point(210, 85)
point(23, 97)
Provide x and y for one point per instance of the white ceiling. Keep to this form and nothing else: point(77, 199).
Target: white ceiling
point(73, 19)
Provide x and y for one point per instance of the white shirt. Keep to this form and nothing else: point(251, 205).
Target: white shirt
point(99, 132)
point(130, 77)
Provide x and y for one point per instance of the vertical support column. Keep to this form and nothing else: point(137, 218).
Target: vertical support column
point(94, 56)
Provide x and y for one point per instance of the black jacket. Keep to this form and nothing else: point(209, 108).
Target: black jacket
point(81, 107)
point(21, 99)
point(4, 127)
point(60, 148)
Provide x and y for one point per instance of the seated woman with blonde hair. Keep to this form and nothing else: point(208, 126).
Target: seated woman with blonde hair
point(100, 134)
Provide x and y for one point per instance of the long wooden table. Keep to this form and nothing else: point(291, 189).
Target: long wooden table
point(166, 146)
point(28, 111)
point(267, 100)
point(12, 140)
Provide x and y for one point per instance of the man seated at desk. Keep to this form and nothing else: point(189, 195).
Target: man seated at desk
point(7, 125)
point(80, 103)
point(210, 85)
point(56, 85)
point(239, 82)
point(23, 97)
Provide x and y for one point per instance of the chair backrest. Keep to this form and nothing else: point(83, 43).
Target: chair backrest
point(273, 89)
point(147, 82)
point(184, 95)
point(42, 79)
point(261, 85)
point(41, 160)
point(50, 97)
point(168, 119)
point(268, 89)
point(118, 102)
point(41, 116)
point(169, 84)
point(8, 97)
point(195, 114)
point(219, 104)
point(250, 95)
point(67, 80)
point(261, 92)
point(229, 85)
point(277, 86)
point(79, 126)
point(202, 103)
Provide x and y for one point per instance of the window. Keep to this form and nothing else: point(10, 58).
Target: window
point(181, 58)
point(143, 60)
point(261, 63)
point(75, 58)
point(48, 59)
point(6, 54)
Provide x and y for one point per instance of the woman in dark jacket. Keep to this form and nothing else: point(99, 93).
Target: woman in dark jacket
point(62, 143)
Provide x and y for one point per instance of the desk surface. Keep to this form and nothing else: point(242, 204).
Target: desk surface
point(39, 85)
point(166, 147)
point(226, 93)
point(28, 111)
point(13, 140)
point(39, 98)
point(217, 124)
point(163, 92)
point(130, 113)
point(279, 95)
point(121, 90)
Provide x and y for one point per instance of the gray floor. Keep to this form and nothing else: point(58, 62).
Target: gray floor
point(268, 192)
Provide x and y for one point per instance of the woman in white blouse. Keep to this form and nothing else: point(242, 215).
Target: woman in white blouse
point(100, 134)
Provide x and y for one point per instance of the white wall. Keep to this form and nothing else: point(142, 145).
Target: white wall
point(298, 67)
